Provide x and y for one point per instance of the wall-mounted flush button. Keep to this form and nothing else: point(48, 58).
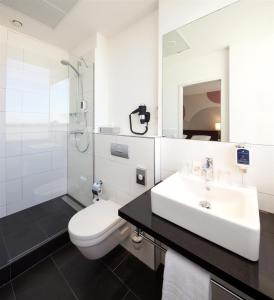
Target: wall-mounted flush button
point(141, 176)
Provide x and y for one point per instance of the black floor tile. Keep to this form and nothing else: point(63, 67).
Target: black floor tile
point(52, 207)
point(4, 275)
point(90, 279)
point(144, 282)
point(53, 224)
point(64, 255)
point(41, 252)
point(42, 282)
point(6, 292)
point(23, 239)
point(115, 257)
point(4, 258)
point(16, 221)
point(131, 296)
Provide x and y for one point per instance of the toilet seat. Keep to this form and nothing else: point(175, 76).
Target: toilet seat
point(93, 224)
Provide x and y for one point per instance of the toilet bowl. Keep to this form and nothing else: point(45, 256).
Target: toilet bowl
point(97, 229)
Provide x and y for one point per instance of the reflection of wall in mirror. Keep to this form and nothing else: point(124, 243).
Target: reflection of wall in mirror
point(180, 72)
point(201, 113)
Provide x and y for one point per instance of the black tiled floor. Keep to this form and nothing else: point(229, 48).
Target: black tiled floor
point(6, 292)
point(68, 275)
point(145, 283)
point(90, 279)
point(23, 239)
point(26, 229)
point(4, 257)
point(43, 281)
point(115, 257)
point(130, 296)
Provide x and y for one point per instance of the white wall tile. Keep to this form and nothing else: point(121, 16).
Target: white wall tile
point(2, 145)
point(34, 99)
point(2, 98)
point(59, 159)
point(13, 100)
point(266, 202)
point(119, 174)
point(261, 171)
point(2, 169)
point(36, 163)
point(58, 184)
point(37, 188)
point(60, 139)
point(3, 211)
point(14, 191)
point(102, 145)
point(37, 142)
point(179, 154)
point(13, 167)
point(13, 144)
point(2, 194)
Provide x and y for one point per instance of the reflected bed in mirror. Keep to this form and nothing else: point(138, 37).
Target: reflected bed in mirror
point(218, 74)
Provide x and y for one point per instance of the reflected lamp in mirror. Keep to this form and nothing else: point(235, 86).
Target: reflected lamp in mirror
point(218, 126)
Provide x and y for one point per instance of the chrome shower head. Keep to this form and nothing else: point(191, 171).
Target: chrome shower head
point(64, 62)
point(67, 63)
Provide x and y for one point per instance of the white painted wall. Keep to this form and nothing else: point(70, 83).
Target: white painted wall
point(251, 102)
point(179, 71)
point(130, 61)
point(101, 83)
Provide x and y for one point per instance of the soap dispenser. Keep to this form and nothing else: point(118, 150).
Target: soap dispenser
point(242, 157)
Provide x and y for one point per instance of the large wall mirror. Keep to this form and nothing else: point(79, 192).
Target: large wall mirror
point(218, 76)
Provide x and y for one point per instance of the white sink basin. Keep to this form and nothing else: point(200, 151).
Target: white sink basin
point(232, 221)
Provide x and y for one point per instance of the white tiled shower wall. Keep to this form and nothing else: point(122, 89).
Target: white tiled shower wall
point(34, 103)
point(119, 176)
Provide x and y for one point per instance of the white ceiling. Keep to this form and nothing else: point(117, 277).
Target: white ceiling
point(49, 12)
point(78, 23)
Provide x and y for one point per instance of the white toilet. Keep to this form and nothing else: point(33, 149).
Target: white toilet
point(97, 229)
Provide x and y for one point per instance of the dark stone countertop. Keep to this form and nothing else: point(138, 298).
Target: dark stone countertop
point(255, 279)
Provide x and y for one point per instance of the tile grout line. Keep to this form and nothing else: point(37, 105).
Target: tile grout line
point(64, 278)
point(123, 283)
point(123, 259)
point(13, 291)
point(128, 291)
point(121, 280)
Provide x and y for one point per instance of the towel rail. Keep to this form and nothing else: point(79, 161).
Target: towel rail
point(140, 233)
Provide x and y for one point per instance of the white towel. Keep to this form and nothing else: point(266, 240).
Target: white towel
point(184, 280)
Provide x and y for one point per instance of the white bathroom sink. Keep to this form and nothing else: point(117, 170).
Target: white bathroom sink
point(232, 221)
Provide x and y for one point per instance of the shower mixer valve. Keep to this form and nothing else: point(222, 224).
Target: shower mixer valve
point(97, 187)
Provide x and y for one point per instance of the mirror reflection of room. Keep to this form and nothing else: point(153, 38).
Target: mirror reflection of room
point(238, 54)
point(201, 115)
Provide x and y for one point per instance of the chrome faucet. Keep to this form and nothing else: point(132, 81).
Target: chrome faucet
point(207, 170)
point(207, 173)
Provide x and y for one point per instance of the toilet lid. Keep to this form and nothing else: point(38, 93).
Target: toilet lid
point(94, 220)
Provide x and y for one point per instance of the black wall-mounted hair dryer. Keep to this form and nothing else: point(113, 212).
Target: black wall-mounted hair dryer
point(144, 116)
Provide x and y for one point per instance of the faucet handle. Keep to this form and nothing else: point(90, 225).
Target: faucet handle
point(209, 162)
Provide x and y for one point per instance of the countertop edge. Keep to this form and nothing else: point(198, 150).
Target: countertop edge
point(238, 284)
